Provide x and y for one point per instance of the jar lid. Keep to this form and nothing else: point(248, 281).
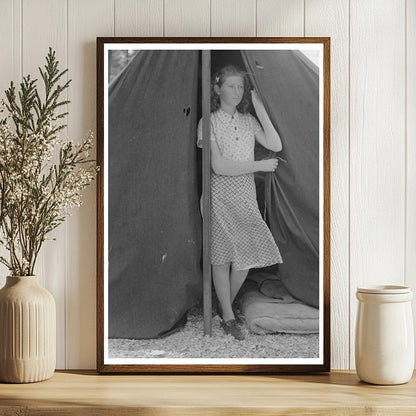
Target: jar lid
point(384, 289)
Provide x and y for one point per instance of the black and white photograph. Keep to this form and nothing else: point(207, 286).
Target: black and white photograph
point(213, 213)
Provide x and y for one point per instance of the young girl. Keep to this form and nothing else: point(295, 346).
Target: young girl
point(240, 239)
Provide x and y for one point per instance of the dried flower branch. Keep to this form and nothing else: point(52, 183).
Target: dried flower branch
point(37, 194)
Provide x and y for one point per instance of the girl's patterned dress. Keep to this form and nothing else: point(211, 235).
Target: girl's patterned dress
point(238, 233)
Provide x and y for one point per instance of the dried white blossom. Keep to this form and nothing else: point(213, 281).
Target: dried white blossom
point(42, 177)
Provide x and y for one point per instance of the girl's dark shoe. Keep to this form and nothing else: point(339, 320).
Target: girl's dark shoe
point(231, 327)
point(237, 314)
point(239, 317)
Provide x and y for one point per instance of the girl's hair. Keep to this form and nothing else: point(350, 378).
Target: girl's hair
point(219, 78)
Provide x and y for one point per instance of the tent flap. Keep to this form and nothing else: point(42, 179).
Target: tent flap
point(154, 221)
point(290, 92)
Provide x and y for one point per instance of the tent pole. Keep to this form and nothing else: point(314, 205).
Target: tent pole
point(206, 189)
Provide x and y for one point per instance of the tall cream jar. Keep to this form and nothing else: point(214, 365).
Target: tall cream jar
point(384, 337)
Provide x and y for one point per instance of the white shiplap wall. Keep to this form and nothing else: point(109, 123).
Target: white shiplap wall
point(373, 132)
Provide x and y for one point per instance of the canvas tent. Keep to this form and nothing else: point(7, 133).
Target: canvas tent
point(154, 219)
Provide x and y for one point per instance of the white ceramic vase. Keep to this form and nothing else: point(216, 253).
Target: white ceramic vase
point(384, 338)
point(27, 331)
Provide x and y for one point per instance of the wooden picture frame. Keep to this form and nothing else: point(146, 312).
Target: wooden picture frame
point(116, 153)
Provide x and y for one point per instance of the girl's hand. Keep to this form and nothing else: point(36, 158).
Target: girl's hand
point(268, 165)
point(257, 103)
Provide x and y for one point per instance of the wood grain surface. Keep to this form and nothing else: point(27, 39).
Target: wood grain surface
point(330, 18)
point(187, 18)
point(85, 18)
point(280, 18)
point(36, 39)
point(410, 260)
point(84, 392)
point(377, 148)
point(138, 18)
point(233, 18)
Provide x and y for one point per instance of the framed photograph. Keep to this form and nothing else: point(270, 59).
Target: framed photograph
point(213, 205)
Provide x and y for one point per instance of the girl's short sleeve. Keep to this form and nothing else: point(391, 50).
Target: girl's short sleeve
point(199, 133)
point(255, 125)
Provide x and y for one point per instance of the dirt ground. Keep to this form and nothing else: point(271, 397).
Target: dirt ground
point(190, 342)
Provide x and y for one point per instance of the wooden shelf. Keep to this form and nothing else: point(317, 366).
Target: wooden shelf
point(86, 393)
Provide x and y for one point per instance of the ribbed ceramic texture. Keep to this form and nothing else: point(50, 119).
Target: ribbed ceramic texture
point(27, 331)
